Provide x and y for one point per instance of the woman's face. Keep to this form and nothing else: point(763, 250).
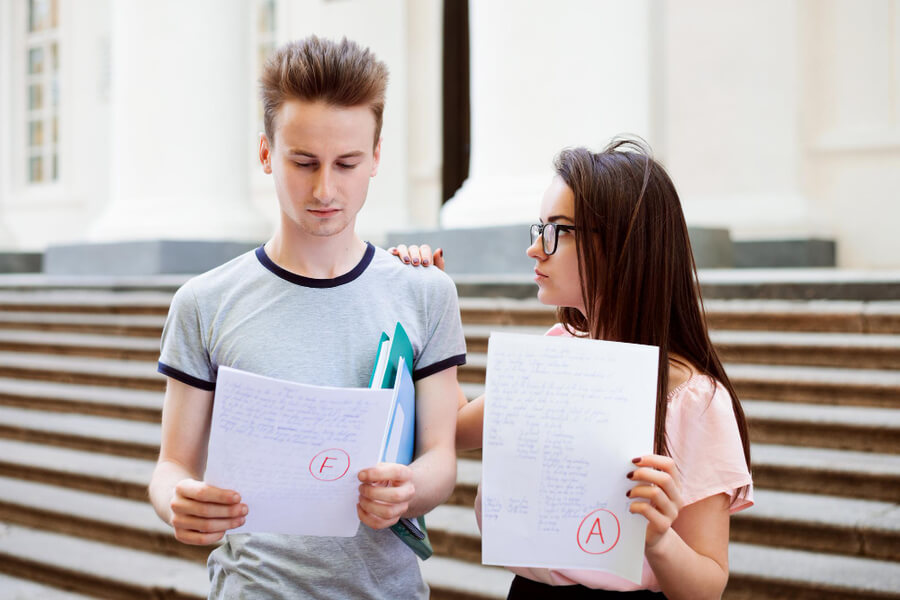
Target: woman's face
point(557, 274)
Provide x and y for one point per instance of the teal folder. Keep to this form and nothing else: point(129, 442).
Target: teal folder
point(393, 369)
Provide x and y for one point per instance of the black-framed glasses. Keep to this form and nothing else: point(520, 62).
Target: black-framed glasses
point(549, 234)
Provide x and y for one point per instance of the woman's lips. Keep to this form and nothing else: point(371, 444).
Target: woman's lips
point(538, 276)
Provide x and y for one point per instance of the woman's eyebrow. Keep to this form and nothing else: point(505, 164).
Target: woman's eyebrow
point(555, 218)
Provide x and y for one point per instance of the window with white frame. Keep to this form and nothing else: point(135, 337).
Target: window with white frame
point(42, 91)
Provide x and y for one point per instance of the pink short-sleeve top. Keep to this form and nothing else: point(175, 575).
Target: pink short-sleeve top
point(704, 442)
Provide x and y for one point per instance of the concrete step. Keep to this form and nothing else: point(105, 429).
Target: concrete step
point(149, 326)
point(818, 523)
point(813, 385)
point(863, 351)
point(86, 301)
point(837, 316)
point(117, 476)
point(758, 572)
point(857, 428)
point(98, 569)
point(99, 517)
point(12, 588)
point(843, 473)
point(73, 344)
point(81, 432)
point(80, 370)
point(135, 405)
point(817, 385)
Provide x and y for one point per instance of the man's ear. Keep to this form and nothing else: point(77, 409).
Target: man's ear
point(265, 154)
point(376, 158)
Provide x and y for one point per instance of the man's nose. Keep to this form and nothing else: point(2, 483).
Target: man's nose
point(324, 187)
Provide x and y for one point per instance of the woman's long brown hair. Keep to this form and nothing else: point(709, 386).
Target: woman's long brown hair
point(638, 276)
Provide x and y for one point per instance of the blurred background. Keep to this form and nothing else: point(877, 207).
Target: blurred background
point(128, 163)
point(779, 120)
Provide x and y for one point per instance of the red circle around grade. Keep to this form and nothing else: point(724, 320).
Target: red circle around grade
point(584, 520)
point(334, 450)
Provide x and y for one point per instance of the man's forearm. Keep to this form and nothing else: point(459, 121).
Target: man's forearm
point(166, 476)
point(434, 476)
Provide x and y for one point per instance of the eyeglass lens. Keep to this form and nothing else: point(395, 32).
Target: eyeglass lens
point(547, 231)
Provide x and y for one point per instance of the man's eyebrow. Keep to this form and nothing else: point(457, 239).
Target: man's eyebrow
point(299, 152)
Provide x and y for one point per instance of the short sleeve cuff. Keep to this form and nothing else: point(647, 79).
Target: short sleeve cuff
point(453, 361)
point(209, 386)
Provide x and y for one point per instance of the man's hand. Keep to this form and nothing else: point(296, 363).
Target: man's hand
point(201, 513)
point(384, 494)
point(419, 255)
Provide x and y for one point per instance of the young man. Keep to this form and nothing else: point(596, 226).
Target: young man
point(309, 305)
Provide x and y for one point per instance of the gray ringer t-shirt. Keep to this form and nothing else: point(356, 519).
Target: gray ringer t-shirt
point(252, 315)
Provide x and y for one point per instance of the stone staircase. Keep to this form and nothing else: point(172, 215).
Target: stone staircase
point(80, 404)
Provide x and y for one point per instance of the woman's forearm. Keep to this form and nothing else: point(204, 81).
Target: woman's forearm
point(682, 572)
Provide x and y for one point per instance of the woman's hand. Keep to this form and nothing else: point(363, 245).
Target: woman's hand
point(419, 255)
point(659, 491)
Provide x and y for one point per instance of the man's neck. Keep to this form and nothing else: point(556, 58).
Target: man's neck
point(316, 257)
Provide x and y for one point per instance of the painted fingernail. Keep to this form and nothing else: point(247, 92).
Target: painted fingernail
point(628, 493)
point(630, 475)
point(415, 261)
point(636, 460)
point(406, 259)
point(424, 263)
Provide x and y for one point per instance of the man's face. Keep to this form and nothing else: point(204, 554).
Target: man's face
point(321, 161)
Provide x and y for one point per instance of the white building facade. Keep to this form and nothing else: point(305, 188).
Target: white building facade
point(138, 119)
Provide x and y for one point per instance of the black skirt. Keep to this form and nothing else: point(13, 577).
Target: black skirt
point(526, 589)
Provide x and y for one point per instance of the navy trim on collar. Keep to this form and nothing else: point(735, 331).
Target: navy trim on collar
point(312, 282)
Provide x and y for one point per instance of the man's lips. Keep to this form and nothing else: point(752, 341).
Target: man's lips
point(324, 212)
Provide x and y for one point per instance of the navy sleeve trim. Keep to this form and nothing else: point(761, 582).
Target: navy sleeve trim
point(453, 361)
point(185, 378)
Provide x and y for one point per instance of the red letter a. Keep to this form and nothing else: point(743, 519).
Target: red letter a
point(599, 532)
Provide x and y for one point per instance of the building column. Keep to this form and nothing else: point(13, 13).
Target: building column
point(553, 74)
point(179, 139)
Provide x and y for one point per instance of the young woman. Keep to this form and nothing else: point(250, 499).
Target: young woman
point(612, 253)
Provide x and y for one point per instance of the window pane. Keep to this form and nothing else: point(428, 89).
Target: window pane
point(266, 16)
point(55, 129)
point(35, 133)
point(35, 61)
point(54, 92)
point(54, 174)
point(35, 96)
point(38, 15)
point(36, 169)
point(54, 57)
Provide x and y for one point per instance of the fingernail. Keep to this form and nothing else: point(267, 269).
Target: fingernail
point(630, 475)
point(425, 263)
point(245, 510)
point(628, 493)
point(235, 498)
point(636, 460)
point(415, 261)
point(406, 259)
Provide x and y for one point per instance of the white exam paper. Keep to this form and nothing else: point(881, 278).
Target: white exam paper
point(293, 451)
point(563, 418)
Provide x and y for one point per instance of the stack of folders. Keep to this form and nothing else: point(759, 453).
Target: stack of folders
point(393, 369)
